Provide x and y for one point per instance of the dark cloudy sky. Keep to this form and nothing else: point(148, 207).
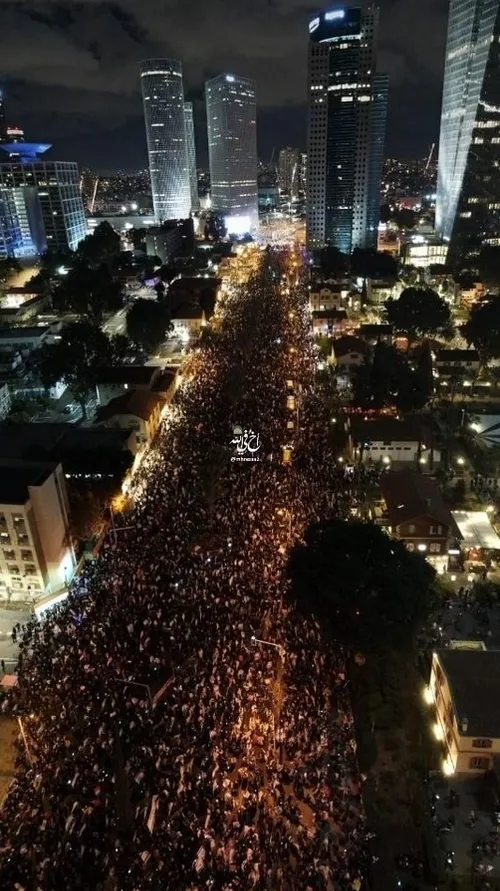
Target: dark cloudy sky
point(69, 68)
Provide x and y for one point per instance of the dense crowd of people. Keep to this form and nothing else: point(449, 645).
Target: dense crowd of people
point(184, 727)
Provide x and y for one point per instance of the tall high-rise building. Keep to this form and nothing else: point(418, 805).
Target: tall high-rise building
point(191, 155)
point(346, 128)
point(232, 146)
point(44, 199)
point(289, 170)
point(303, 173)
point(163, 100)
point(468, 191)
point(3, 120)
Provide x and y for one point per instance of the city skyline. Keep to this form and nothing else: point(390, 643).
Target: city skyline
point(87, 121)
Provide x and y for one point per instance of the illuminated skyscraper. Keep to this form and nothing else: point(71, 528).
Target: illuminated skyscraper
point(289, 170)
point(3, 120)
point(191, 155)
point(163, 99)
point(468, 192)
point(42, 199)
point(346, 129)
point(232, 146)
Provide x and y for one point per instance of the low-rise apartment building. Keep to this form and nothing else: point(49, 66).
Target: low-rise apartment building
point(465, 689)
point(36, 555)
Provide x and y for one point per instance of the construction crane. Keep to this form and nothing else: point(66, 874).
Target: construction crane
point(429, 159)
point(94, 194)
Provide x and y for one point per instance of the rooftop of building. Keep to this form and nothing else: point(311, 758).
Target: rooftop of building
point(26, 331)
point(342, 346)
point(138, 375)
point(389, 429)
point(445, 355)
point(409, 495)
point(139, 403)
point(16, 478)
point(371, 329)
point(78, 449)
point(474, 680)
point(188, 311)
point(338, 314)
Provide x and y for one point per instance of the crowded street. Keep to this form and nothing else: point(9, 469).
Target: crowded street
point(183, 726)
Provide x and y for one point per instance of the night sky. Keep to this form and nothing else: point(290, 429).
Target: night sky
point(69, 68)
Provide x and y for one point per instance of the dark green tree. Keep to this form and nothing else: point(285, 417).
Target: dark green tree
point(333, 262)
point(483, 328)
point(88, 292)
point(371, 590)
point(8, 266)
point(147, 323)
point(369, 263)
point(137, 237)
point(103, 246)
point(418, 312)
point(488, 264)
point(75, 359)
point(405, 218)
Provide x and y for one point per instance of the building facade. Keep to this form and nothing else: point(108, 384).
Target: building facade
point(462, 687)
point(164, 115)
point(191, 155)
point(45, 202)
point(289, 171)
point(35, 554)
point(468, 191)
point(346, 129)
point(232, 146)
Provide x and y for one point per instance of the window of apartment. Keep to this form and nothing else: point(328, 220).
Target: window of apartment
point(13, 569)
point(412, 528)
point(30, 569)
point(435, 547)
point(4, 538)
point(26, 556)
point(479, 763)
point(436, 530)
point(410, 546)
point(482, 743)
point(9, 554)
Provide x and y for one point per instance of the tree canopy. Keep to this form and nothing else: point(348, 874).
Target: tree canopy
point(147, 323)
point(373, 592)
point(488, 264)
point(103, 246)
point(483, 328)
point(418, 312)
point(388, 378)
point(88, 291)
point(75, 359)
point(369, 263)
point(8, 265)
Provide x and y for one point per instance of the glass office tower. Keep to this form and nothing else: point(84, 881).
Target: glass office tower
point(468, 192)
point(289, 171)
point(44, 199)
point(232, 146)
point(191, 155)
point(163, 100)
point(346, 129)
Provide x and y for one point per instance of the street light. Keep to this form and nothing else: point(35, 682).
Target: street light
point(136, 684)
point(270, 643)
